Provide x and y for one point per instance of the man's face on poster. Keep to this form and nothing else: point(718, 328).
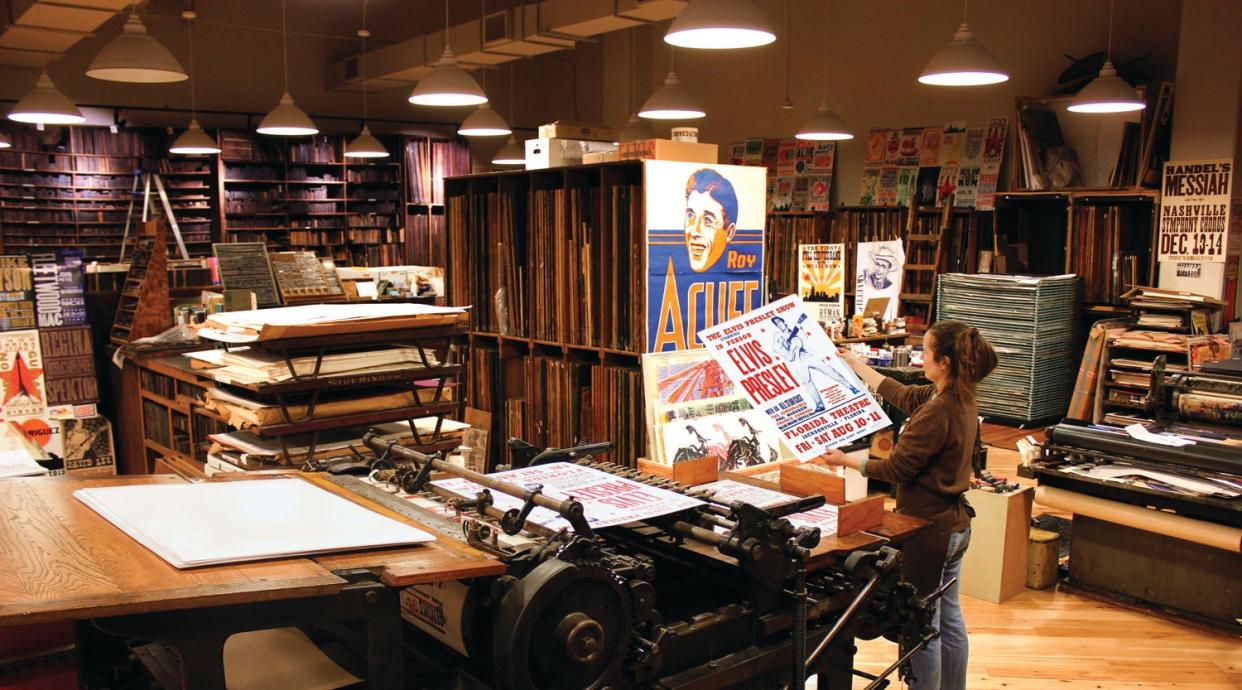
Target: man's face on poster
point(881, 267)
point(708, 230)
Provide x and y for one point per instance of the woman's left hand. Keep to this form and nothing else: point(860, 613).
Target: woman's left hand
point(832, 456)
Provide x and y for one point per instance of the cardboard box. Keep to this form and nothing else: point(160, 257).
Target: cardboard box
point(994, 568)
point(669, 150)
point(562, 129)
point(600, 157)
point(551, 153)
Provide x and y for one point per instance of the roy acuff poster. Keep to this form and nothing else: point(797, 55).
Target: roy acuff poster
point(821, 280)
point(877, 285)
point(789, 369)
point(704, 248)
point(1194, 210)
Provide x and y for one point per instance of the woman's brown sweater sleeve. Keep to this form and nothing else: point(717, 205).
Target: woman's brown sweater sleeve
point(905, 398)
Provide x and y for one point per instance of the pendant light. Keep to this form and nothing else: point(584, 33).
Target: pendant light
point(135, 57)
point(447, 84)
point(825, 125)
point(286, 119)
point(484, 122)
point(671, 101)
point(193, 141)
point(963, 62)
point(5, 142)
point(634, 129)
point(365, 145)
point(44, 105)
point(788, 104)
point(719, 25)
point(1107, 93)
point(512, 153)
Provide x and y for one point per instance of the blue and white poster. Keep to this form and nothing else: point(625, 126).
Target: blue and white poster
point(704, 248)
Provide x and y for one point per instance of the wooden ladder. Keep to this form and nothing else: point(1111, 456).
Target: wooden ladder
point(923, 256)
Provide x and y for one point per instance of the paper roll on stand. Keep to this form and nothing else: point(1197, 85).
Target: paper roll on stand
point(1168, 524)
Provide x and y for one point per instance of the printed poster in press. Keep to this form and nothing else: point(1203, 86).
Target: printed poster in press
point(788, 368)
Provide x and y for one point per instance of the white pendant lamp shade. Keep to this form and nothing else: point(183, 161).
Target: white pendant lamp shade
point(634, 130)
point(1107, 93)
point(5, 143)
point(825, 125)
point(671, 102)
point(484, 122)
point(719, 25)
point(365, 145)
point(963, 63)
point(136, 57)
point(194, 142)
point(287, 120)
point(44, 105)
point(448, 85)
point(511, 153)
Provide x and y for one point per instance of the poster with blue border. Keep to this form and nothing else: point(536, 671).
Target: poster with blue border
point(705, 227)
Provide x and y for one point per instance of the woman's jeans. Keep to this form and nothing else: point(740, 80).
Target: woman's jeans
point(941, 665)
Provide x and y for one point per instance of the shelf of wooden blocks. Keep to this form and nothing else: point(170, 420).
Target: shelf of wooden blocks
point(690, 472)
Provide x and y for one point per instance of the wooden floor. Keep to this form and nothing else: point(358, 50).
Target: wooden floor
point(1052, 639)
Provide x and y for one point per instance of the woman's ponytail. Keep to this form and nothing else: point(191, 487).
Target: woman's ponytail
point(971, 357)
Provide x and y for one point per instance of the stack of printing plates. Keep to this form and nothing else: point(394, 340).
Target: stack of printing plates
point(1032, 322)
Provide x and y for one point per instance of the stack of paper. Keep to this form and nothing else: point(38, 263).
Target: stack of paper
point(242, 412)
point(251, 451)
point(324, 319)
point(247, 366)
point(191, 525)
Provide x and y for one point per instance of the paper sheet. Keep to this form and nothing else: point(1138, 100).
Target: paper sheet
point(280, 658)
point(607, 499)
point(192, 525)
point(1118, 472)
point(727, 490)
point(18, 463)
point(1142, 433)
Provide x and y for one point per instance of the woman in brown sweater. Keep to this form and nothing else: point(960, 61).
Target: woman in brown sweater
point(931, 466)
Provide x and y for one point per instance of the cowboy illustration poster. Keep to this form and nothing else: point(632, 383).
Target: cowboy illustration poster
point(878, 277)
point(704, 248)
point(789, 369)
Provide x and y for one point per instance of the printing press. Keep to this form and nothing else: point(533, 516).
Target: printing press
point(717, 596)
point(1158, 515)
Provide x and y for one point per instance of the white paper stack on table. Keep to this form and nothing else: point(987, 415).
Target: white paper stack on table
point(244, 365)
point(311, 320)
point(192, 525)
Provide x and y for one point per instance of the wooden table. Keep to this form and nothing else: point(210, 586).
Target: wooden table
point(64, 562)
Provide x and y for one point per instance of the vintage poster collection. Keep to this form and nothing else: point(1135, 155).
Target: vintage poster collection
point(789, 369)
point(821, 280)
point(705, 226)
point(48, 387)
point(1194, 211)
point(799, 172)
point(922, 165)
point(877, 279)
point(694, 411)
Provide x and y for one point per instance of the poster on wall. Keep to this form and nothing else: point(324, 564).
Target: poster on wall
point(877, 282)
point(789, 369)
point(17, 308)
point(22, 387)
point(821, 280)
point(704, 248)
point(1194, 210)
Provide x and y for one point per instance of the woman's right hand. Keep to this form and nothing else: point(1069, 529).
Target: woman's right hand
point(847, 355)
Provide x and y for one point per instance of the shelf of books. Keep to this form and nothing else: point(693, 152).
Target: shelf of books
point(71, 190)
point(551, 259)
point(305, 195)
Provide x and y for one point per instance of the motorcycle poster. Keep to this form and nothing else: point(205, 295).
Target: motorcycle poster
point(789, 370)
point(737, 439)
